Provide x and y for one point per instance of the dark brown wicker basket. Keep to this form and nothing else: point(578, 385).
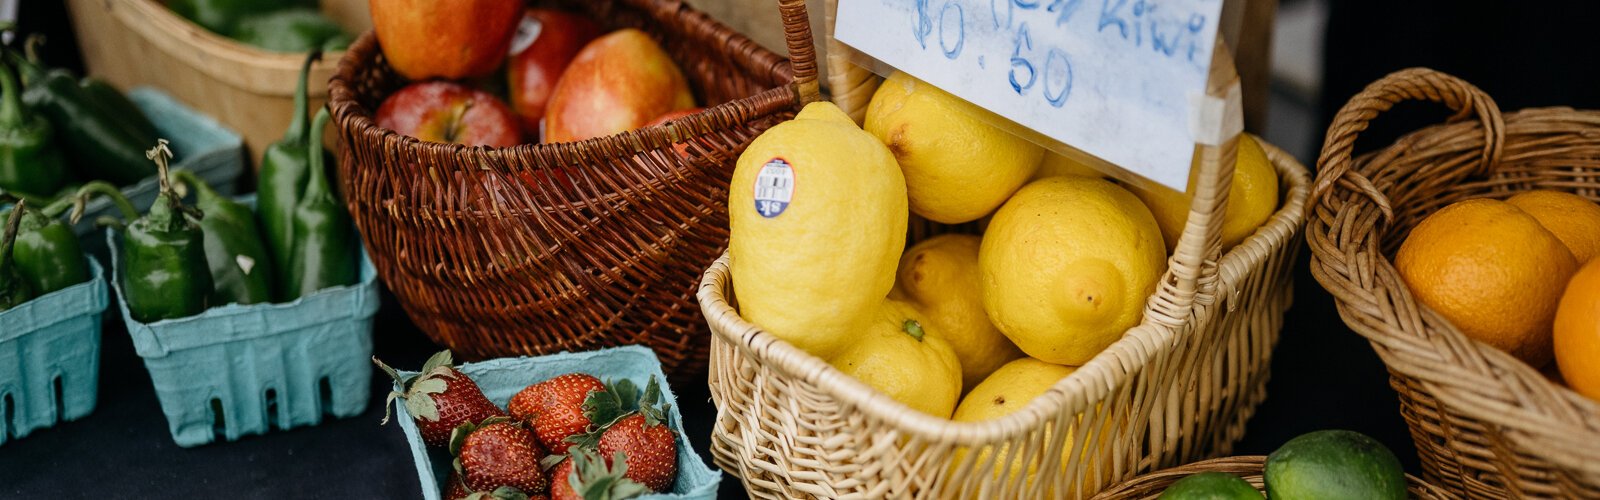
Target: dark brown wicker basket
point(536, 249)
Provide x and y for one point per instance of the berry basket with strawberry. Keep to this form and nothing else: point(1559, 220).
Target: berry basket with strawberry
point(598, 424)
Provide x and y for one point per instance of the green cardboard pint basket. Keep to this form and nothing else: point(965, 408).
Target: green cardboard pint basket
point(50, 356)
point(237, 370)
point(502, 378)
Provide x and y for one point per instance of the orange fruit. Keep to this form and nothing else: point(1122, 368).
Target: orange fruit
point(1577, 332)
point(1491, 270)
point(1574, 219)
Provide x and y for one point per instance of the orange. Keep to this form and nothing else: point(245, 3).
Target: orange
point(1577, 332)
point(1492, 271)
point(1574, 219)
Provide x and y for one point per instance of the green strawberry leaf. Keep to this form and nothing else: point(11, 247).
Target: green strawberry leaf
point(549, 462)
point(593, 480)
point(440, 359)
point(386, 369)
point(604, 407)
point(422, 407)
point(429, 386)
point(388, 403)
point(459, 436)
point(655, 412)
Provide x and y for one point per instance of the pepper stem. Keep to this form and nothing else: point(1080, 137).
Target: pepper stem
point(31, 47)
point(297, 124)
point(316, 175)
point(81, 199)
point(10, 235)
point(11, 112)
point(202, 191)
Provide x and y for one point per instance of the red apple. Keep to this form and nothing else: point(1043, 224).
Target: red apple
point(545, 42)
point(441, 111)
point(444, 39)
point(682, 147)
point(617, 83)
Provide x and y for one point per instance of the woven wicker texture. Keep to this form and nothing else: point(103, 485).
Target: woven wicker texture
point(1150, 486)
point(1178, 387)
point(542, 248)
point(1484, 423)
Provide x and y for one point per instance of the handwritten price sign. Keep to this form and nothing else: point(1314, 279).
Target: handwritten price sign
point(1114, 78)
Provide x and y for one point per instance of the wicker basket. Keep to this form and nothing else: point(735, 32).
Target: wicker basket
point(140, 42)
point(1150, 486)
point(1484, 423)
point(492, 258)
point(1178, 387)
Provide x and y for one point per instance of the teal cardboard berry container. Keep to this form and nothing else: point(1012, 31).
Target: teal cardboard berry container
point(238, 370)
point(199, 144)
point(502, 378)
point(50, 357)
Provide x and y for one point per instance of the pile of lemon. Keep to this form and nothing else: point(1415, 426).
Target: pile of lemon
point(959, 326)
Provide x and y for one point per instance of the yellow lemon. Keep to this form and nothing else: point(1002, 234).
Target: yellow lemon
point(1055, 164)
point(898, 355)
point(1493, 271)
point(958, 166)
point(1066, 266)
point(1574, 219)
point(939, 276)
point(1252, 198)
point(817, 222)
point(1009, 389)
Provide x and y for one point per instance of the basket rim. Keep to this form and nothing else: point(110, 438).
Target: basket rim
point(1075, 393)
point(1244, 466)
point(1360, 289)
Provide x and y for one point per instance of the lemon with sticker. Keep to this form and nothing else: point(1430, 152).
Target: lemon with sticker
point(817, 222)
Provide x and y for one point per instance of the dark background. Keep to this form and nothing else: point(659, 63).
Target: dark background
point(1324, 376)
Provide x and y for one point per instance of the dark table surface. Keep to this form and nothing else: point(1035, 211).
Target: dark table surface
point(1324, 377)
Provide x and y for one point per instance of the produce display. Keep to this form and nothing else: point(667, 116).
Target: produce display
point(569, 437)
point(1507, 274)
point(1320, 464)
point(46, 253)
point(275, 25)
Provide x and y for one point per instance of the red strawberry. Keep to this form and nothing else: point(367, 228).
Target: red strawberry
point(456, 490)
point(641, 437)
point(498, 453)
point(439, 399)
point(554, 408)
point(586, 476)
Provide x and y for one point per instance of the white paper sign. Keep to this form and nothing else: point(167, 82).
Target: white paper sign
point(1114, 78)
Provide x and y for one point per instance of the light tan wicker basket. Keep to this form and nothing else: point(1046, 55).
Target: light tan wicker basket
point(1150, 486)
point(1178, 387)
point(1485, 424)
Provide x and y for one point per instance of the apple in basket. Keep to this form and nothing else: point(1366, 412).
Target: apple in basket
point(619, 82)
point(455, 39)
point(546, 41)
point(449, 112)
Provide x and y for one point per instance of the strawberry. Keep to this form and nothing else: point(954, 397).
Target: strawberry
point(439, 399)
point(498, 453)
point(554, 408)
point(456, 490)
point(648, 446)
point(586, 476)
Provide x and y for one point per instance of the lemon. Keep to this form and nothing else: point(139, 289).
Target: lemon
point(1252, 198)
point(1009, 389)
point(1066, 266)
point(958, 167)
point(939, 276)
point(898, 355)
point(1055, 164)
point(817, 222)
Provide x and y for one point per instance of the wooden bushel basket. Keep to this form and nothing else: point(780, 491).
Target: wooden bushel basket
point(538, 249)
point(1176, 388)
point(1485, 424)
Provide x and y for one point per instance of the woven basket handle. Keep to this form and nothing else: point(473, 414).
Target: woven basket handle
point(1194, 259)
point(1336, 164)
point(802, 53)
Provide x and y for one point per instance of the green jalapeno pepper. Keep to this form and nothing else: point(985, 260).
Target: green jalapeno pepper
point(241, 271)
point(323, 241)
point(30, 165)
point(13, 290)
point(282, 179)
point(46, 253)
point(101, 143)
point(163, 259)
